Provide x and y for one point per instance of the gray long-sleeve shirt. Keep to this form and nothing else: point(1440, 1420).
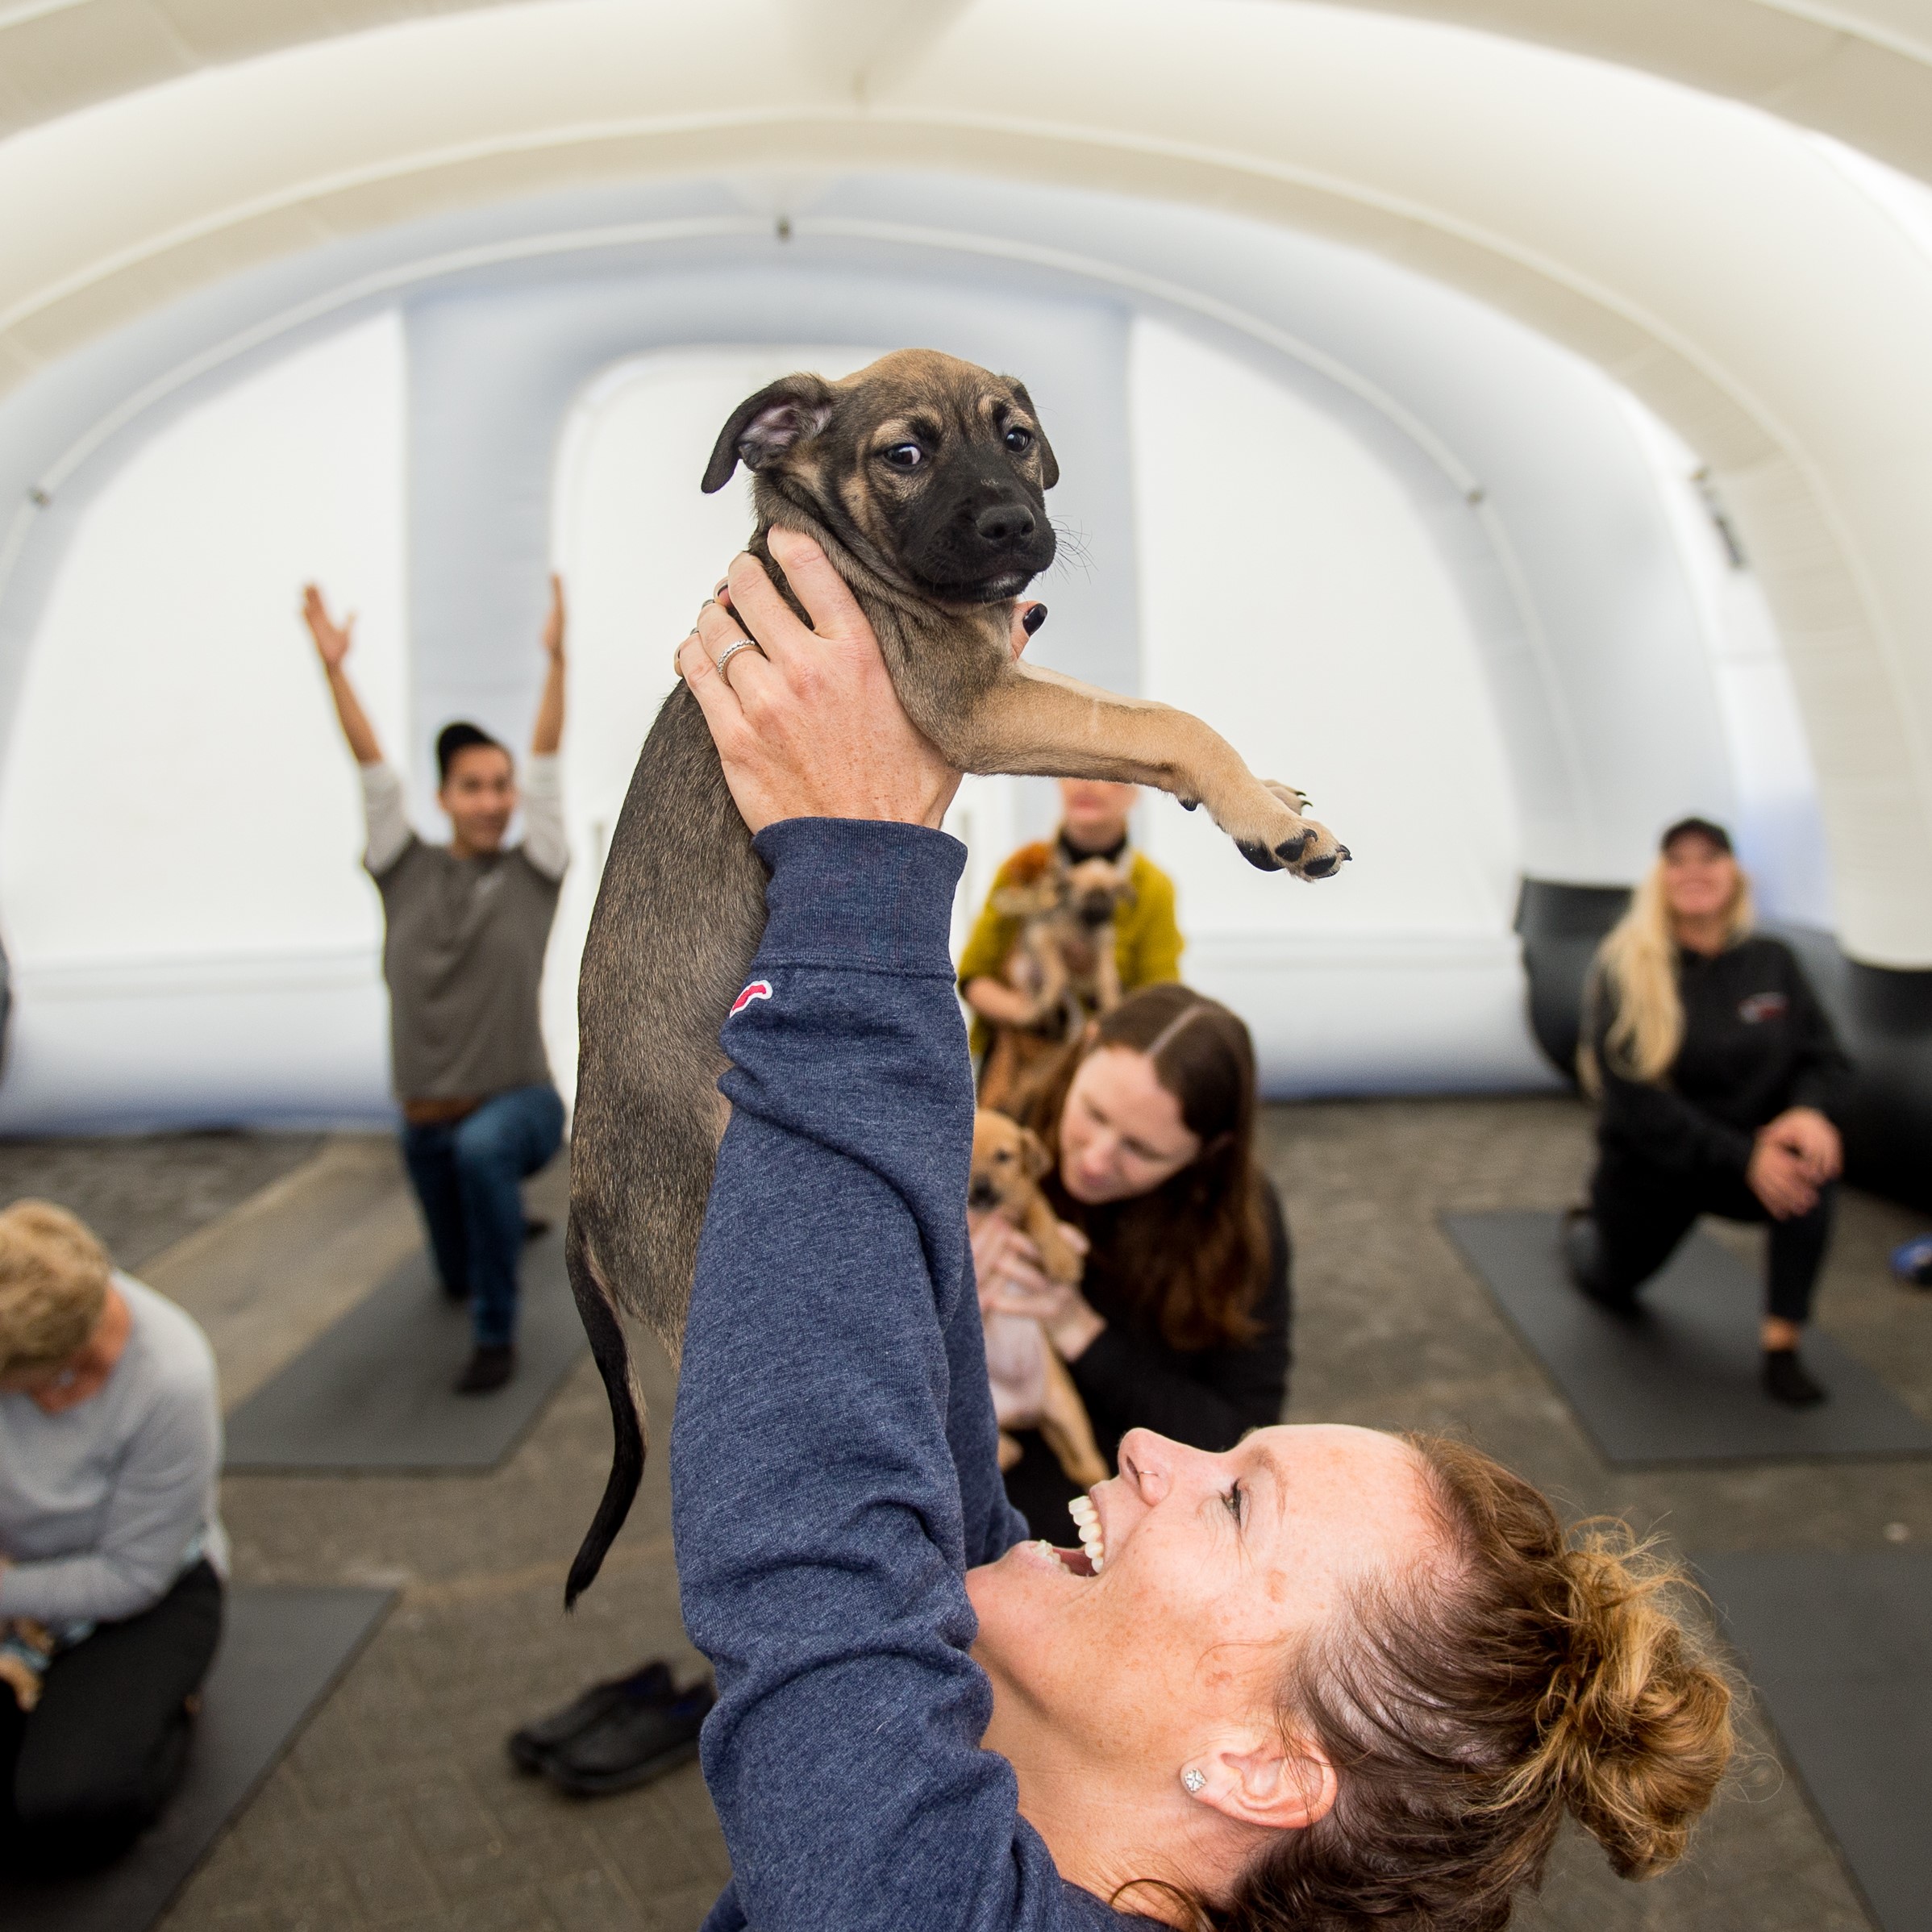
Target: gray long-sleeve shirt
point(103, 1506)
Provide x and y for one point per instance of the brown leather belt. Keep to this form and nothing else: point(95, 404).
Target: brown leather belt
point(438, 1113)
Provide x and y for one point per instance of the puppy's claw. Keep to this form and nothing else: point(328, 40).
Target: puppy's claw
point(1187, 804)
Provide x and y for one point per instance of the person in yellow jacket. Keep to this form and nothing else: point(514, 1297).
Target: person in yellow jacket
point(1146, 941)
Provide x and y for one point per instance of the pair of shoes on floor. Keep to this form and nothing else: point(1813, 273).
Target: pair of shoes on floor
point(616, 1734)
point(1786, 1381)
point(488, 1367)
point(1583, 1259)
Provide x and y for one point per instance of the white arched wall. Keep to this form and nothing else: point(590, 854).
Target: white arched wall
point(1562, 557)
point(1782, 345)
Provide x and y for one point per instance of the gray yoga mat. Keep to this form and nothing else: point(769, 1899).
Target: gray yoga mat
point(282, 1652)
point(1840, 1649)
point(374, 1391)
point(1679, 1384)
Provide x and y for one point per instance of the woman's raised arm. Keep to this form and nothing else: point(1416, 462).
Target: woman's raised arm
point(833, 1457)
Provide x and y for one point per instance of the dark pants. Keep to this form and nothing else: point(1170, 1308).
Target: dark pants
point(1641, 1212)
point(468, 1175)
point(93, 1763)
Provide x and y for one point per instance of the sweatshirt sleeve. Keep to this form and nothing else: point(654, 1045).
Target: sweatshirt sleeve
point(1823, 1071)
point(1673, 1133)
point(384, 817)
point(834, 1435)
point(545, 844)
point(158, 1506)
point(1222, 1392)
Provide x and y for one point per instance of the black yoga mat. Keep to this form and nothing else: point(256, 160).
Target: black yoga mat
point(282, 1651)
point(1678, 1383)
point(1840, 1649)
point(374, 1391)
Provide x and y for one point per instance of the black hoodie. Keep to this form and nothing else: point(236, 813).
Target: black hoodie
point(1756, 1042)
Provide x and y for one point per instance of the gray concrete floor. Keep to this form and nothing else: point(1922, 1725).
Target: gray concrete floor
point(398, 1807)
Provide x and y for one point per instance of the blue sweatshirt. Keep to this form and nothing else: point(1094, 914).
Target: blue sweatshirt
point(834, 1463)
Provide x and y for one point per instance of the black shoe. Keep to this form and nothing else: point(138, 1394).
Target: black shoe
point(532, 1746)
point(487, 1369)
point(1785, 1381)
point(1583, 1259)
point(631, 1745)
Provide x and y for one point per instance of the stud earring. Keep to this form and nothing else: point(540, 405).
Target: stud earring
point(1193, 1781)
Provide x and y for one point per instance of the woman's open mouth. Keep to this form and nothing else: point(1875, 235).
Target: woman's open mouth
point(1092, 1557)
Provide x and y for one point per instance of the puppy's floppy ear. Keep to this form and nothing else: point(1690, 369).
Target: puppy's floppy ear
point(764, 426)
point(1049, 463)
point(1032, 1152)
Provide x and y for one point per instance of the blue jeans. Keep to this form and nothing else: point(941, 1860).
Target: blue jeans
point(467, 1174)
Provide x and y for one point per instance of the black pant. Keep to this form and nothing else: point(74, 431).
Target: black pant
point(1641, 1212)
point(92, 1764)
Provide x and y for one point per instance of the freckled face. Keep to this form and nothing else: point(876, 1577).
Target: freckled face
point(1210, 1565)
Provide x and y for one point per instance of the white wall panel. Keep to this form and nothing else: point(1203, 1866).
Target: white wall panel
point(176, 790)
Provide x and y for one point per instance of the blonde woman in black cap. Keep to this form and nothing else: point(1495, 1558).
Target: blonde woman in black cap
point(1718, 1077)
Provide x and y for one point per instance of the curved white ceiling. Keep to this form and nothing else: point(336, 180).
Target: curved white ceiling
point(1703, 253)
point(1860, 69)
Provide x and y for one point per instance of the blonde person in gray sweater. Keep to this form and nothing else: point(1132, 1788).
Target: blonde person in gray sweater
point(111, 1551)
point(466, 926)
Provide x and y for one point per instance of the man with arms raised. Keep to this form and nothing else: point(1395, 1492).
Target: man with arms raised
point(466, 926)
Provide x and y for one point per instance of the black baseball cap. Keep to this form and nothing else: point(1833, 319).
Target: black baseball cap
point(1704, 828)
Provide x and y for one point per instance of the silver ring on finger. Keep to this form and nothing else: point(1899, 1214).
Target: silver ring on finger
point(730, 651)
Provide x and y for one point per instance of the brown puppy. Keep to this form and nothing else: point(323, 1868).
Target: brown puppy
point(1032, 1388)
point(1064, 958)
point(922, 479)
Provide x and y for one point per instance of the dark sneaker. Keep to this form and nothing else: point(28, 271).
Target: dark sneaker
point(487, 1368)
point(631, 1745)
point(1785, 1381)
point(1583, 1259)
point(532, 1745)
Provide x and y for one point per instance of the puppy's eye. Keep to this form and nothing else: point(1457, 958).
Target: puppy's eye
point(1019, 440)
point(906, 455)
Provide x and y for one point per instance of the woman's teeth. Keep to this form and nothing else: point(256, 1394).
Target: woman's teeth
point(1086, 1519)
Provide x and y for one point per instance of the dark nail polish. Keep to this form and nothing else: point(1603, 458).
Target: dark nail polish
point(1034, 618)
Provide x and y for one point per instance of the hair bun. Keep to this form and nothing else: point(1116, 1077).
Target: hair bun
point(1635, 1726)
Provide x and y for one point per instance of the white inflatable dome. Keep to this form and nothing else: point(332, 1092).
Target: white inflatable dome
point(1508, 419)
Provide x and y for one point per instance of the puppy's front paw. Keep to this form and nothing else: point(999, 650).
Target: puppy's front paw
point(1289, 842)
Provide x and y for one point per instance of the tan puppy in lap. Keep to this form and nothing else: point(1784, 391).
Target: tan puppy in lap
point(1031, 1389)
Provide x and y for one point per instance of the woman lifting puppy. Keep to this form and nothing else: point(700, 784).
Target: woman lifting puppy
point(1327, 1678)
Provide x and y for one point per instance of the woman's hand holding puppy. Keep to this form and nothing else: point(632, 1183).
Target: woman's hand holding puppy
point(808, 725)
point(1011, 1281)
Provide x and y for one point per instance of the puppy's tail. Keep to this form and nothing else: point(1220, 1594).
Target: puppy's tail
point(612, 1354)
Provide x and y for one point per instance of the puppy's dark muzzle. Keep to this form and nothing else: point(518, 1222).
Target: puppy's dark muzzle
point(1005, 526)
point(982, 1194)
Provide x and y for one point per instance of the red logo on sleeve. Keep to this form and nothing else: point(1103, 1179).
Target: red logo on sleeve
point(759, 990)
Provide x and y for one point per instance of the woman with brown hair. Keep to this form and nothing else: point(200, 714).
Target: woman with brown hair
point(1181, 1322)
point(1325, 1680)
